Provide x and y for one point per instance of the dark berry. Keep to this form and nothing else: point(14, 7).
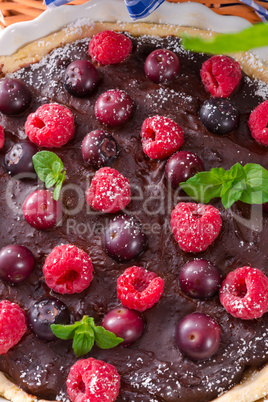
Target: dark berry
point(125, 323)
point(162, 65)
point(198, 336)
point(41, 211)
point(219, 116)
point(99, 149)
point(80, 78)
point(200, 279)
point(15, 96)
point(124, 238)
point(46, 312)
point(113, 107)
point(16, 263)
point(18, 160)
point(181, 166)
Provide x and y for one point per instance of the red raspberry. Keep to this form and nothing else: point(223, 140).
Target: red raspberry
point(258, 121)
point(109, 191)
point(51, 125)
point(160, 137)
point(220, 75)
point(139, 289)
point(12, 325)
point(68, 269)
point(92, 380)
point(109, 47)
point(195, 226)
point(2, 137)
point(244, 293)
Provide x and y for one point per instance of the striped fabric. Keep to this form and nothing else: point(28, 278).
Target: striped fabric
point(55, 3)
point(141, 8)
point(136, 8)
point(261, 11)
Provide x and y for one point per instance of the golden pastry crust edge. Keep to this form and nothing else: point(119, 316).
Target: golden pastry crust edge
point(254, 385)
point(34, 51)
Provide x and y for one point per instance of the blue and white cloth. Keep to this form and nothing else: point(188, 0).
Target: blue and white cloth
point(261, 11)
point(142, 8)
point(136, 8)
point(56, 3)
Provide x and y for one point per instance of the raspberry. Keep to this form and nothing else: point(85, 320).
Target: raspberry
point(244, 293)
point(51, 125)
point(2, 137)
point(139, 289)
point(195, 226)
point(109, 47)
point(220, 75)
point(160, 137)
point(68, 269)
point(109, 191)
point(92, 380)
point(258, 121)
point(12, 325)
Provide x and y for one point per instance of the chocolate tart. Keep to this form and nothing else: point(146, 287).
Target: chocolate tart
point(152, 369)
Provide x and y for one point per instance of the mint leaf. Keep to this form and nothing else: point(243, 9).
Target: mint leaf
point(248, 184)
point(84, 333)
point(50, 180)
point(234, 185)
point(43, 162)
point(83, 340)
point(237, 172)
point(49, 167)
point(256, 191)
point(57, 167)
point(249, 38)
point(88, 320)
point(64, 331)
point(230, 194)
point(57, 190)
point(205, 185)
point(106, 339)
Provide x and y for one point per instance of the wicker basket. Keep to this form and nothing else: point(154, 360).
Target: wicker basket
point(24, 10)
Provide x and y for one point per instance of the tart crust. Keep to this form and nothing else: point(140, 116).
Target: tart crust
point(254, 385)
point(34, 51)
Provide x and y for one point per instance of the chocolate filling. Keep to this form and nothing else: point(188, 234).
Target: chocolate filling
point(152, 368)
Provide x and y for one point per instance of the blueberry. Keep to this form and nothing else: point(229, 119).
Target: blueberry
point(200, 279)
point(16, 263)
point(15, 96)
point(198, 336)
point(181, 166)
point(125, 323)
point(124, 238)
point(162, 65)
point(219, 116)
point(46, 312)
point(18, 160)
point(80, 78)
point(99, 149)
point(113, 107)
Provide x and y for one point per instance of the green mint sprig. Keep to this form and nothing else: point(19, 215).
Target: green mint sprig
point(249, 38)
point(49, 169)
point(247, 183)
point(84, 333)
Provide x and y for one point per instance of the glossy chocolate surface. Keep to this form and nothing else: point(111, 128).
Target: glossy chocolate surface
point(152, 368)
